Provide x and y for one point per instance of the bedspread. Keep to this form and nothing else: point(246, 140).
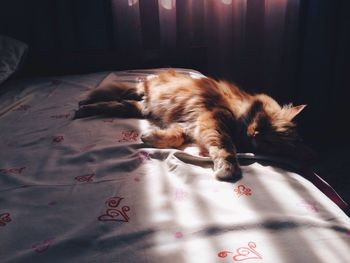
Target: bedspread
point(89, 190)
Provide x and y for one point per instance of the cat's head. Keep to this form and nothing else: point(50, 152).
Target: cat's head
point(272, 129)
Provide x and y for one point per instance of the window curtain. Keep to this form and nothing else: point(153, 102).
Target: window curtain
point(295, 50)
point(253, 42)
point(237, 33)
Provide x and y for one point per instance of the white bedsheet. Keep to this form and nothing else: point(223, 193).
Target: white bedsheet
point(88, 190)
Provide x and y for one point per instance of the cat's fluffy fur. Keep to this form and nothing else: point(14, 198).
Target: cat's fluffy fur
point(216, 115)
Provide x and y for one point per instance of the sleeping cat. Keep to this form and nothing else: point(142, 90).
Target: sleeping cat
point(216, 115)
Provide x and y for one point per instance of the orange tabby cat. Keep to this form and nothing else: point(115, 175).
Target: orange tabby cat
point(216, 115)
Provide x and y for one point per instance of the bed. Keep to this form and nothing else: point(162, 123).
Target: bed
point(89, 190)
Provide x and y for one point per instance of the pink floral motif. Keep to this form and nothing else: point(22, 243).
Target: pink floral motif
point(242, 253)
point(249, 252)
point(60, 116)
point(309, 205)
point(5, 218)
point(180, 194)
point(143, 156)
point(22, 107)
point(57, 139)
point(114, 214)
point(178, 235)
point(224, 254)
point(243, 190)
point(13, 170)
point(86, 178)
point(43, 246)
point(129, 136)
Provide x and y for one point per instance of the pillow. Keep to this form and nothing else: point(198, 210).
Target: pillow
point(12, 54)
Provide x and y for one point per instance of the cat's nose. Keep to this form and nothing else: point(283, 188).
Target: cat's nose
point(253, 134)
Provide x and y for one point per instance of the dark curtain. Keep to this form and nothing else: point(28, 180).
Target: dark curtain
point(295, 50)
point(323, 72)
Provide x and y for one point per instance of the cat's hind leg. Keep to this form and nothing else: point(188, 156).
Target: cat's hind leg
point(171, 137)
point(113, 92)
point(121, 109)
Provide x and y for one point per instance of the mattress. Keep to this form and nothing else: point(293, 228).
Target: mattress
point(89, 190)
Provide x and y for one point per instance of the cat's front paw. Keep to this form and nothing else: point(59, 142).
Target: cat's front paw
point(84, 111)
point(83, 102)
point(227, 171)
point(152, 139)
point(78, 114)
point(147, 138)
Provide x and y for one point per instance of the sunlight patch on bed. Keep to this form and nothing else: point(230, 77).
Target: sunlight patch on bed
point(175, 213)
point(181, 193)
point(329, 239)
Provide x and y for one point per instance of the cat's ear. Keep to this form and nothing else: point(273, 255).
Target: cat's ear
point(292, 111)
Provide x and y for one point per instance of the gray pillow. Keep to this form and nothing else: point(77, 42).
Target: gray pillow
point(12, 54)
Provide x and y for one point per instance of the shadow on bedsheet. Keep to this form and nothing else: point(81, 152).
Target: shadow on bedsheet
point(277, 222)
point(153, 231)
point(298, 241)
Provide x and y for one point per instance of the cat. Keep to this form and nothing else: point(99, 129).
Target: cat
point(214, 114)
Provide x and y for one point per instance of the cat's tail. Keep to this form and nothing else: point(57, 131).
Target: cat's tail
point(113, 91)
point(119, 109)
point(112, 99)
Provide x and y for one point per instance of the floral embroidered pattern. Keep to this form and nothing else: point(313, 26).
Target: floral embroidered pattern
point(143, 156)
point(309, 205)
point(87, 178)
point(12, 170)
point(242, 253)
point(129, 136)
point(58, 139)
point(5, 218)
point(113, 213)
point(180, 194)
point(43, 246)
point(243, 190)
point(178, 235)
